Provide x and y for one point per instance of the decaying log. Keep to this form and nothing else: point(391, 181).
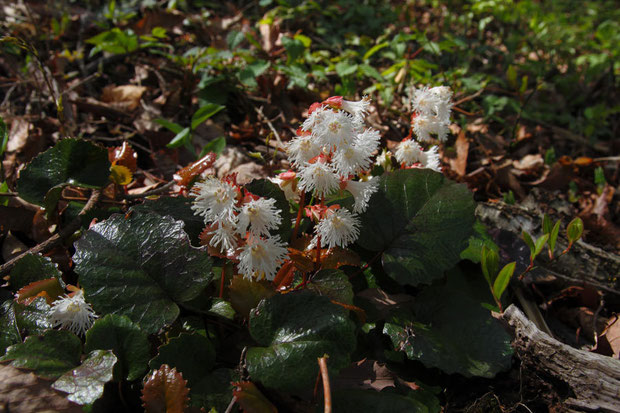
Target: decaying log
point(583, 263)
point(593, 379)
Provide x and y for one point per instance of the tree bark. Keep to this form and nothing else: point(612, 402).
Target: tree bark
point(593, 379)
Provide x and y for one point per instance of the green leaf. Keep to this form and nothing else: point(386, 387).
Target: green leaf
point(180, 139)
point(248, 75)
point(574, 230)
point(4, 188)
point(19, 320)
point(191, 354)
point(214, 390)
point(453, 332)
point(490, 264)
point(85, 383)
point(553, 236)
point(540, 244)
point(503, 279)
point(49, 355)
point(529, 242)
point(217, 146)
point(374, 50)
point(31, 268)
point(171, 126)
point(179, 208)
point(547, 224)
point(70, 161)
point(345, 68)
point(333, 284)
point(140, 266)
point(480, 239)
point(421, 221)
point(126, 340)
point(4, 136)
point(267, 189)
point(294, 330)
point(204, 113)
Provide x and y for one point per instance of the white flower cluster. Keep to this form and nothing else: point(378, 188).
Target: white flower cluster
point(431, 117)
point(72, 313)
point(240, 226)
point(331, 150)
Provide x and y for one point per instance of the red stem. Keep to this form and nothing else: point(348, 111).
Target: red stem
point(302, 201)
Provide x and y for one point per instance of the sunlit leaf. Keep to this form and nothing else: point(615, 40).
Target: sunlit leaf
point(140, 266)
point(85, 383)
point(420, 221)
point(70, 161)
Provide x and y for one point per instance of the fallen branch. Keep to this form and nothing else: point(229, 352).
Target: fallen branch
point(593, 379)
point(52, 241)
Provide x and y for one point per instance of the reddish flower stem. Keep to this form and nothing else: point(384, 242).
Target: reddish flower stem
point(302, 200)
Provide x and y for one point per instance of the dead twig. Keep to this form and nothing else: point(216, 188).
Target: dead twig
point(56, 238)
point(155, 191)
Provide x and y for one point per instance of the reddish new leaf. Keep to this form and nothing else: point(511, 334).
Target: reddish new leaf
point(185, 175)
point(50, 289)
point(251, 399)
point(124, 155)
point(165, 391)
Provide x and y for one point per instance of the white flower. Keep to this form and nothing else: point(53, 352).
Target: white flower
point(384, 159)
point(318, 177)
point(223, 236)
point(301, 149)
point(430, 159)
point(261, 215)
point(336, 128)
point(340, 228)
point(315, 118)
point(357, 108)
point(424, 126)
point(288, 184)
point(215, 199)
point(362, 191)
point(261, 257)
point(72, 313)
point(354, 158)
point(408, 152)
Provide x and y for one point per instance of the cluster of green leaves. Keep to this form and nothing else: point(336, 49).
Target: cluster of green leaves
point(157, 298)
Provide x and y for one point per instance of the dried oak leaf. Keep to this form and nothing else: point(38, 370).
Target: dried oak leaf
point(165, 391)
point(25, 392)
point(125, 97)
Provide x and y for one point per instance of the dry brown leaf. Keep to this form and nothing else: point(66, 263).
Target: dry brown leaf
point(459, 164)
point(125, 97)
point(24, 392)
point(530, 162)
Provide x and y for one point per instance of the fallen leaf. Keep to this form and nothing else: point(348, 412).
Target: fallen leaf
point(25, 392)
point(125, 97)
point(459, 164)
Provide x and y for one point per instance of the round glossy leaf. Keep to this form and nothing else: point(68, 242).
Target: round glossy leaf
point(294, 330)
point(140, 266)
point(49, 355)
point(31, 268)
point(333, 284)
point(126, 340)
point(420, 221)
point(192, 355)
point(70, 161)
point(453, 332)
point(178, 208)
point(18, 320)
